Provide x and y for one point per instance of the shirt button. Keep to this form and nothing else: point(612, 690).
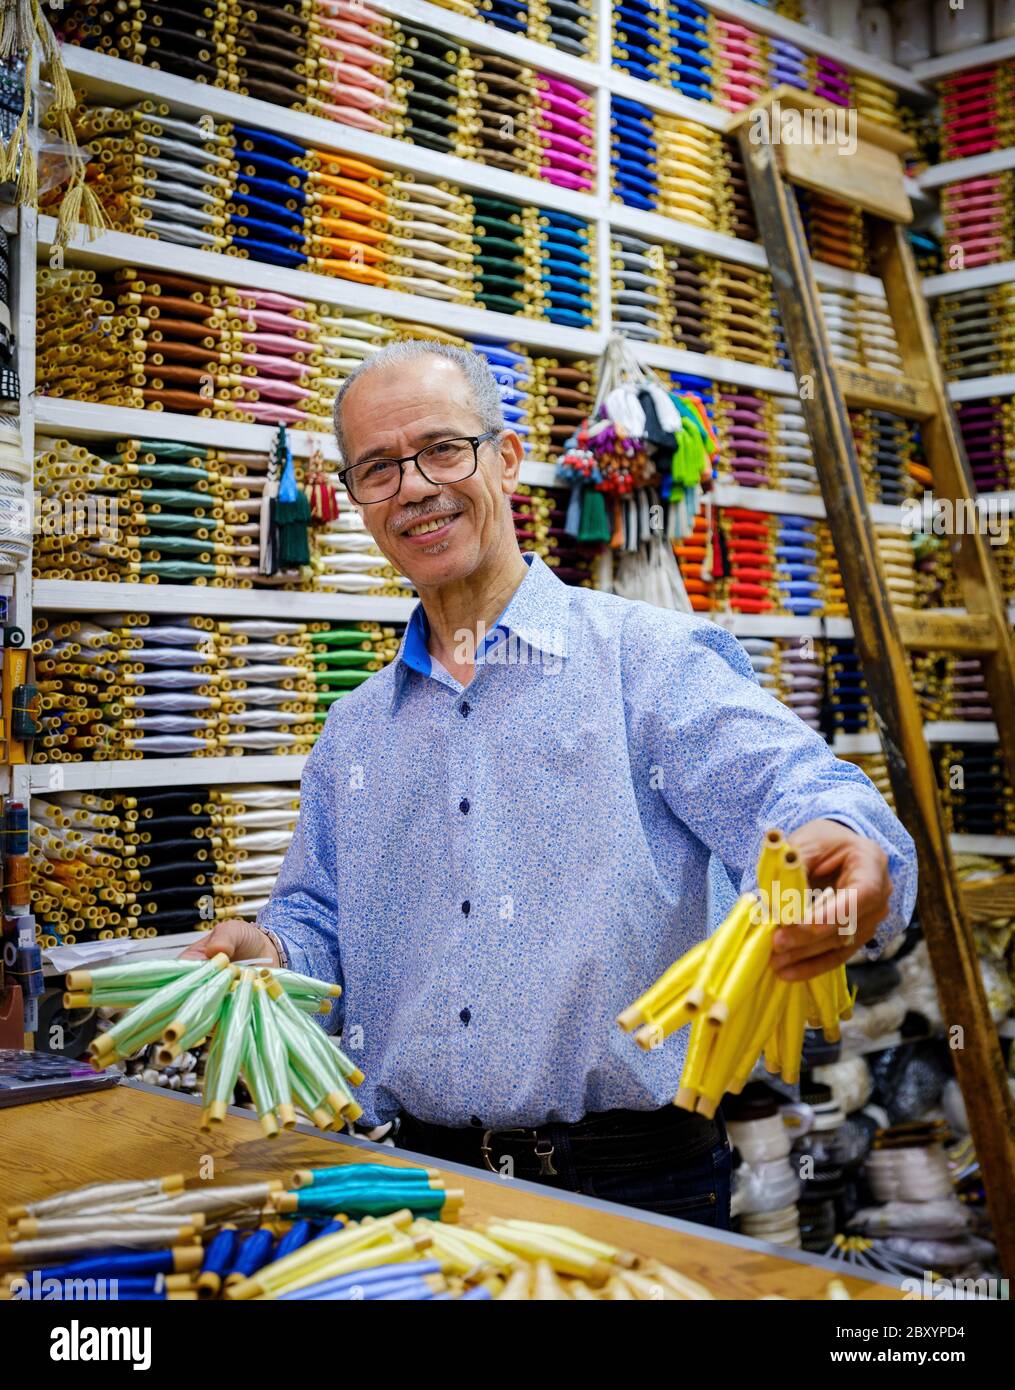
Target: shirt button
point(466, 907)
point(463, 806)
point(465, 707)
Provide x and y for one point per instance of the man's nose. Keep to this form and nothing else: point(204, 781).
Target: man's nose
point(414, 486)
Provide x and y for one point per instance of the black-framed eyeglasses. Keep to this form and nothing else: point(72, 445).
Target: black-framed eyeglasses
point(447, 461)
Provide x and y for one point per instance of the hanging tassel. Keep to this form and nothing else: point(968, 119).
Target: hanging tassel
point(290, 513)
point(70, 212)
point(320, 490)
point(292, 523)
point(266, 549)
point(15, 147)
point(80, 206)
point(619, 533)
point(595, 525)
point(92, 213)
point(706, 571)
point(573, 515)
point(28, 178)
point(64, 99)
point(27, 32)
point(720, 555)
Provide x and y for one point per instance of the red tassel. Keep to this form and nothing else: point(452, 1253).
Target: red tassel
point(717, 564)
point(321, 492)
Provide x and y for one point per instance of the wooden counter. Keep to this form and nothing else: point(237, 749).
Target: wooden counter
point(138, 1131)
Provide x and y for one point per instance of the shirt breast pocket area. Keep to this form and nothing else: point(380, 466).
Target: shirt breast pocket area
point(580, 752)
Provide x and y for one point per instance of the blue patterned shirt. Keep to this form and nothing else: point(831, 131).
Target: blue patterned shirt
point(493, 873)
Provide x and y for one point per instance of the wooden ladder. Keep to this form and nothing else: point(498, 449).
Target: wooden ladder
point(790, 138)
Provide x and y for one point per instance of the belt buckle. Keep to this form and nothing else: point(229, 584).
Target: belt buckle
point(544, 1154)
point(486, 1150)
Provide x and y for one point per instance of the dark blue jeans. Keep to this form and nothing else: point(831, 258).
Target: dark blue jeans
point(666, 1161)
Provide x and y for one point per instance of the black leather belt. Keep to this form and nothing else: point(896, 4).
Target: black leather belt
point(612, 1135)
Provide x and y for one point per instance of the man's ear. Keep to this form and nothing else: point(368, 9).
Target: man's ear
point(511, 454)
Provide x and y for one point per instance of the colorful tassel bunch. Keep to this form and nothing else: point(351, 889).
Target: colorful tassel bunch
point(258, 1025)
point(736, 1006)
point(639, 432)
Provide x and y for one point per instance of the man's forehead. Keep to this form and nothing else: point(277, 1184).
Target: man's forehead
point(401, 407)
point(435, 375)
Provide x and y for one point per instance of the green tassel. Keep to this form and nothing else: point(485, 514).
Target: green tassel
point(291, 521)
point(594, 525)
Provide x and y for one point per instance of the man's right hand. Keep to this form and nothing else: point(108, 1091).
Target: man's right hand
point(239, 940)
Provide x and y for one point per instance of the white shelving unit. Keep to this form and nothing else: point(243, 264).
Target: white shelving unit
point(763, 499)
point(94, 423)
point(110, 250)
point(117, 81)
point(980, 277)
point(764, 21)
point(70, 596)
point(90, 423)
point(974, 167)
point(779, 625)
point(165, 772)
point(1002, 845)
point(49, 778)
point(982, 387)
point(120, 81)
point(1001, 386)
point(941, 731)
point(935, 68)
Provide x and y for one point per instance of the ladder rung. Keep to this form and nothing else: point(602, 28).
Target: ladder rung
point(992, 898)
point(871, 390)
point(946, 632)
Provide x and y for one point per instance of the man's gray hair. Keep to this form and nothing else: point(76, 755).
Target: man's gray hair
point(472, 365)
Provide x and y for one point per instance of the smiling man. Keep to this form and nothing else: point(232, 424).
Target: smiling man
point(507, 834)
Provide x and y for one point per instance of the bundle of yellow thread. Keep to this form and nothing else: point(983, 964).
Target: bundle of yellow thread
point(737, 1007)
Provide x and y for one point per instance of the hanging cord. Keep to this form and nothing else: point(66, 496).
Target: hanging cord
point(27, 34)
point(266, 548)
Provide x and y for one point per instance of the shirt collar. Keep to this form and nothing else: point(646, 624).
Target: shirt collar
point(536, 613)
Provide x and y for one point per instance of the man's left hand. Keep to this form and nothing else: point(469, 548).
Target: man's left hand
point(856, 870)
